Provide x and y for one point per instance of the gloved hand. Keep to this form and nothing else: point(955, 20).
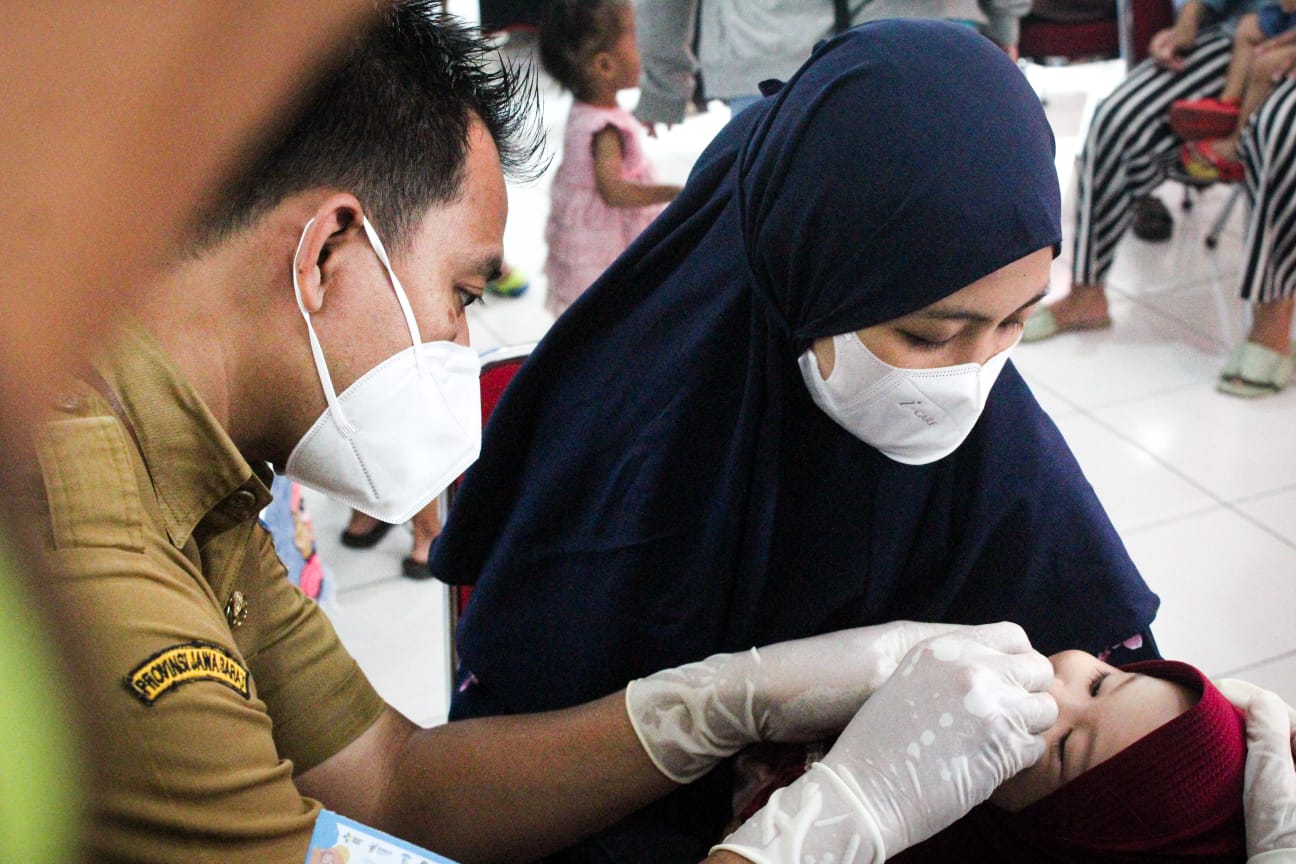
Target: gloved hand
point(955, 721)
point(1269, 790)
point(690, 717)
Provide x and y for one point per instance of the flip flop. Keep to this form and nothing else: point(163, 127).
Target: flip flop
point(1253, 370)
point(1201, 161)
point(1194, 119)
point(1043, 324)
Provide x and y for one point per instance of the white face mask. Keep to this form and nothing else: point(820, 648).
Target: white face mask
point(401, 433)
point(914, 416)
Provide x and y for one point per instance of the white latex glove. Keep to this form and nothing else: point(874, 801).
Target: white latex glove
point(690, 717)
point(955, 721)
point(1269, 790)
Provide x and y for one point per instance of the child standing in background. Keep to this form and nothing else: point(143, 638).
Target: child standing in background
point(604, 192)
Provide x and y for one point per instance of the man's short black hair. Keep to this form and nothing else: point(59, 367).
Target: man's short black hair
point(389, 122)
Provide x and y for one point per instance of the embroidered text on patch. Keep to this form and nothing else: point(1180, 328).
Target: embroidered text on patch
point(181, 664)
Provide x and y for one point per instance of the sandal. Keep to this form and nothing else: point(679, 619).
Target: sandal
point(1194, 119)
point(1201, 161)
point(1253, 370)
point(412, 568)
point(1043, 324)
point(368, 539)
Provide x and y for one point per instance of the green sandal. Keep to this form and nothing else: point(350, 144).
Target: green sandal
point(1253, 370)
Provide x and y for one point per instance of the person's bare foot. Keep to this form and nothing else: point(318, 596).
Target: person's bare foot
point(361, 523)
point(1084, 307)
point(1226, 148)
point(1271, 325)
point(427, 525)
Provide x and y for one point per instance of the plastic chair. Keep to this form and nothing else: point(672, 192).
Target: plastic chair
point(499, 365)
point(1127, 35)
point(1048, 42)
point(1043, 42)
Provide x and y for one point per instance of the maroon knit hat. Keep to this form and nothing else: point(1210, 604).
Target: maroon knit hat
point(1173, 795)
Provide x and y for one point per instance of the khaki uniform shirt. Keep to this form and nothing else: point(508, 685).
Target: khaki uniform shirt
point(213, 678)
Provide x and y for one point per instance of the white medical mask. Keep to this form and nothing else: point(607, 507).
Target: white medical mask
point(395, 438)
point(913, 416)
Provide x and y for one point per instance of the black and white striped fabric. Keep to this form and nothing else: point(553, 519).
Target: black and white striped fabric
point(1127, 147)
point(1268, 150)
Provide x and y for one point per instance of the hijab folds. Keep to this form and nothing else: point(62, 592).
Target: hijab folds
point(657, 485)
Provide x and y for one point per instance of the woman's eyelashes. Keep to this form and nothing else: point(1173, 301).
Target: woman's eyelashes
point(1095, 682)
point(924, 343)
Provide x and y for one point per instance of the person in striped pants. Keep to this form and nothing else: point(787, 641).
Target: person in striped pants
point(1128, 147)
point(1262, 365)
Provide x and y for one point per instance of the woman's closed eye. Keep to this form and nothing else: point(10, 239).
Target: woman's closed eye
point(925, 343)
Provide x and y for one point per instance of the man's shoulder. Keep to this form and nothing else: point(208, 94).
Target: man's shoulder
point(88, 467)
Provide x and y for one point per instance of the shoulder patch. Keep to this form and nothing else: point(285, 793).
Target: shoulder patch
point(185, 663)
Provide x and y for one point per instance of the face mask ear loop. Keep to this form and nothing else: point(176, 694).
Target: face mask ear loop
point(381, 251)
point(326, 381)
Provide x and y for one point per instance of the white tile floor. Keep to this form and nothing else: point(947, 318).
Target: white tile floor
point(1198, 483)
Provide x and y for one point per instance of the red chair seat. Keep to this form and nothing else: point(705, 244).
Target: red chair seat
point(1041, 40)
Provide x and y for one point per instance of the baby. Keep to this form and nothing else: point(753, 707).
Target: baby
point(1145, 763)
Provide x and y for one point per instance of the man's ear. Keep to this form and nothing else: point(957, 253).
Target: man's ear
point(335, 221)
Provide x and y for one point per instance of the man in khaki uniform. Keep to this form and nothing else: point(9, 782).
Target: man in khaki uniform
point(226, 710)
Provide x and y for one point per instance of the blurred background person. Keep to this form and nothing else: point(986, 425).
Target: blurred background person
point(605, 191)
point(722, 49)
point(115, 126)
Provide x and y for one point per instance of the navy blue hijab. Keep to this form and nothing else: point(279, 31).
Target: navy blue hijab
point(657, 485)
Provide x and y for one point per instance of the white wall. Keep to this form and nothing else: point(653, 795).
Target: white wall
point(469, 10)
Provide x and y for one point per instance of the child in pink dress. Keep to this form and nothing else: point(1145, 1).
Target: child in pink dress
point(604, 192)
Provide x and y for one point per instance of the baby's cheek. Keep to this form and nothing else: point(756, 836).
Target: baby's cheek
point(1026, 788)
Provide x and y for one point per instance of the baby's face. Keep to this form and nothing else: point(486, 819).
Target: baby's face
point(1101, 711)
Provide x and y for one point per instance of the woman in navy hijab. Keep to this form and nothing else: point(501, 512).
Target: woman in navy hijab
point(676, 470)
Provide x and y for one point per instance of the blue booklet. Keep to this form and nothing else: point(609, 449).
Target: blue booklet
point(339, 840)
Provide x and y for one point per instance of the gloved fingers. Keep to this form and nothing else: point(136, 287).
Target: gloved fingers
point(1240, 693)
point(1039, 711)
point(1003, 636)
point(1270, 779)
point(1269, 730)
point(1028, 669)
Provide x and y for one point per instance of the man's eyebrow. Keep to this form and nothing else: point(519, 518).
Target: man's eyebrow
point(969, 315)
point(490, 266)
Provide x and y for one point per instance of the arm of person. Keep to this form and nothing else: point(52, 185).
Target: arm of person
point(1169, 46)
point(1282, 40)
point(1269, 785)
point(664, 32)
point(513, 788)
point(615, 190)
point(493, 789)
point(1003, 25)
